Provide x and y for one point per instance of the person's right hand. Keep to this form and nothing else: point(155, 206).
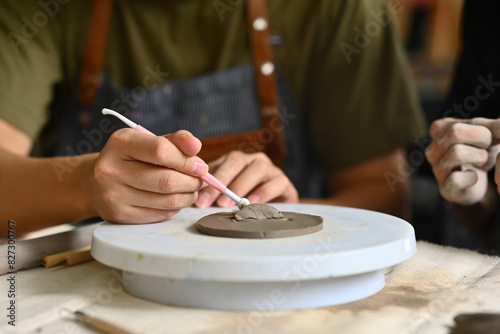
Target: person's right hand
point(139, 178)
point(461, 153)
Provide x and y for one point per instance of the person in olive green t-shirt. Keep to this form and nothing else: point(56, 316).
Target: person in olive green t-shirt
point(343, 83)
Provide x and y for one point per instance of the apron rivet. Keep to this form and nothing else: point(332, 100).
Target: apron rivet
point(259, 24)
point(268, 112)
point(89, 92)
point(204, 120)
point(167, 89)
point(267, 68)
point(92, 77)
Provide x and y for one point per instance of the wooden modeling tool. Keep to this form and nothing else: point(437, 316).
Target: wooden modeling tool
point(69, 258)
point(98, 324)
point(208, 178)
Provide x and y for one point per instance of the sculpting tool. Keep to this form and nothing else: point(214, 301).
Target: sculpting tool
point(69, 258)
point(208, 178)
point(98, 324)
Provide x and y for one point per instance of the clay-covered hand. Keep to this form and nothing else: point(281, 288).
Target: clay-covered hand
point(138, 178)
point(461, 153)
point(250, 175)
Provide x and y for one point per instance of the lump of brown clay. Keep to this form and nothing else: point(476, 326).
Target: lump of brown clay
point(259, 221)
point(258, 211)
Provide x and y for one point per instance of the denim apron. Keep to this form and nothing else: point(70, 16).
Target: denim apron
point(221, 103)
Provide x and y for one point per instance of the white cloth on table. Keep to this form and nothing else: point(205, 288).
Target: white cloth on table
point(422, 295)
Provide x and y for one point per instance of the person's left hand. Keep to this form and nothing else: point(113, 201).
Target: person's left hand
point(250, 175)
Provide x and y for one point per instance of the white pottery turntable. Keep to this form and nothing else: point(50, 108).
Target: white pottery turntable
point(172, 263)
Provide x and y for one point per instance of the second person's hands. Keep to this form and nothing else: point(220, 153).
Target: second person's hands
point(461, 153)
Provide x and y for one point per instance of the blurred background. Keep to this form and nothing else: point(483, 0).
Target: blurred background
point(431, 30)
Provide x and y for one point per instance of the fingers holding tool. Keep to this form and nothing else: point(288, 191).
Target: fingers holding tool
point(140, 178)
point(249, 174)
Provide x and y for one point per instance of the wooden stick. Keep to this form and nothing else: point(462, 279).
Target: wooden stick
point(101, 325)
point(78, 258)
point(77, 254)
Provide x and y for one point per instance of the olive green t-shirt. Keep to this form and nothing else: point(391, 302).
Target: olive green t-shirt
point(342, 59)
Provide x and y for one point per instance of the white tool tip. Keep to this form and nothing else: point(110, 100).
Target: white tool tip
point(242, 202)
point(124, 119)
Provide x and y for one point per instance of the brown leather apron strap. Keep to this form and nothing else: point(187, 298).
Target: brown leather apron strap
point(268, 139)
point(94, 50)
point(262, 55)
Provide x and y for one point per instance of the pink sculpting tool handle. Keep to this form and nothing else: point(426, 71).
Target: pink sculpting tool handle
point(211, 180)
point(208, 178)
point(144, 130)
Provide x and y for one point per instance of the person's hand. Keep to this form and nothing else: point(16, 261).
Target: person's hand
point(461, 153)
point(253, 176)
point(140, 178)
